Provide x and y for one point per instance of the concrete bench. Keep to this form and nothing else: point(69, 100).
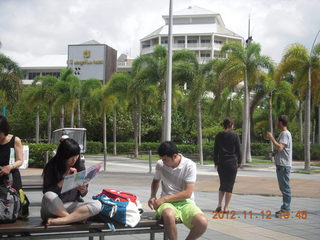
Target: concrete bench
point(33, 229)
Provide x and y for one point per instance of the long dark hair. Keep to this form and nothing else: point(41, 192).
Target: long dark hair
point(4, 125)
point(66, 149)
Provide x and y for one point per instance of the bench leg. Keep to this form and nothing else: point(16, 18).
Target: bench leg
point(165, 237)
point(152, 236)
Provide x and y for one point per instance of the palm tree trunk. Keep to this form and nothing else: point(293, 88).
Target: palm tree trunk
point(72, 118)
point(271, 123)
point(245, 119)
point(104, 141)
point(307, 124)
point(62, 117)
point(199, 124)
point(115, 132)
point(319, 124)
point(79, 114)
point(37, 125)
point(301, 121)
point(249, 158)
point(135, 121)
point(49, 123)
point(139, 139)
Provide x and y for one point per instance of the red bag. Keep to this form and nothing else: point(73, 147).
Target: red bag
point(122, 197)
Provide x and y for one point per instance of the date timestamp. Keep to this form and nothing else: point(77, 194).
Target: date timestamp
point(265, 214)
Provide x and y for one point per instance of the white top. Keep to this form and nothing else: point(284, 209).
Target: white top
point(284, 157)
point(173, 180)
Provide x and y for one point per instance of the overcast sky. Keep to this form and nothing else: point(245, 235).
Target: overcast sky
point(33, 28)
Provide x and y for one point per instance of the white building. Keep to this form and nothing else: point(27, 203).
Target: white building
point(194, 28)
point(88, 60)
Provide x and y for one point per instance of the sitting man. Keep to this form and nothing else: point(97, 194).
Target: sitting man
point(178, 176)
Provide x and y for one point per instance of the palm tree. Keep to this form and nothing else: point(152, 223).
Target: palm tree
point(117, 87)
point(86, 87)
point(69, 93)
point(186, 71)
point(100, 104)
point(10, 78)
point(306, 67)
point(152, 68)
point(45, 91)
point(31, 96)
point(3, 99)
point(246, 62)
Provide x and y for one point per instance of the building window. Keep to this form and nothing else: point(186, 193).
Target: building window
point(203, 55)
point(218, 41)
point(205, 41)
point(33, 75)
point(192, 40)
point(164, 41)
point(181, 41)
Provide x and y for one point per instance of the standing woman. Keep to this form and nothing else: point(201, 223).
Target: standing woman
point(227, 158)
point(68, 207)
point(8, 142)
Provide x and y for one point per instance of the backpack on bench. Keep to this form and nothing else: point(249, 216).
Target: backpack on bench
point(9, 204)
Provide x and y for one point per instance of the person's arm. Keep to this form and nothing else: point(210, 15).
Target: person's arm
point(185, 194)
point(19, 158)
point(238, 150)
point(216, 152)
point(278, 145)
point(154, 189)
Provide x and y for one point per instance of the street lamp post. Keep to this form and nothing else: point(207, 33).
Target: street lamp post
point(169, 79)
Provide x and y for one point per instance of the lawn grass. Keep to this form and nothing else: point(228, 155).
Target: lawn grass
point(308, 171)
point(317, 164)
point(259, 160)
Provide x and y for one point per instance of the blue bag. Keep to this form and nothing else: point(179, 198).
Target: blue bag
point(126, 213)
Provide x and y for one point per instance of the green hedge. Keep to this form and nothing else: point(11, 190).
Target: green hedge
point(94, 147)
point(37, 153)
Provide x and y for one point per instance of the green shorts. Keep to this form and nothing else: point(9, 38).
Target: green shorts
point(184, 211)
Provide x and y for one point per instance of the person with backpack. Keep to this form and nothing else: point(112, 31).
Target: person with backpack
point(177, 175)
point(11, 156)
point(62, 208)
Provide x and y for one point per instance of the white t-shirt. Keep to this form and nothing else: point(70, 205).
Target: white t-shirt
point(173, 180)
point(284, 157)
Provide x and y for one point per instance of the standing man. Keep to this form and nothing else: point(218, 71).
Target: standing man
point(178, 176)
point(283, 161)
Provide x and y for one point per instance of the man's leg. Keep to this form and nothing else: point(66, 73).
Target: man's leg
point(169, 221)
point(199, 226)
point(283, 174)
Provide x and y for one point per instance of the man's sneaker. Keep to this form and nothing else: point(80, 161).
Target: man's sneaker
point(282, 214)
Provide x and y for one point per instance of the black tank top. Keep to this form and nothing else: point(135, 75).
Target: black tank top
point(4, 160)
point(5, 152)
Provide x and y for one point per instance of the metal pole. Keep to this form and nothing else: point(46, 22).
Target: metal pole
point(150, 158)
point(169, 79)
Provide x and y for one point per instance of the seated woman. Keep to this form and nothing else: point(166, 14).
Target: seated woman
point(7, 143)
point(68, 207)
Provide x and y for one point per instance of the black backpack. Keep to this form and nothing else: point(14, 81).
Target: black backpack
point(9, 204)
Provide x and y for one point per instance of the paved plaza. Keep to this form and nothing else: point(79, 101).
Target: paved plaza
point(255, 200)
